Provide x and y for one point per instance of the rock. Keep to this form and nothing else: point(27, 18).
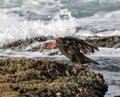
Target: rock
point(22, 43)
point(32, 44)
point(42, 42)
point(117, 96)
point(105, 41)
point(21, 77)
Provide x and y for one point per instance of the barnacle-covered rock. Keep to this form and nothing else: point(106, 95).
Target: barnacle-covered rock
point(21, 77)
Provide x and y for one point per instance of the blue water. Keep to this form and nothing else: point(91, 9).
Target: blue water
point(77, 8)
point(86, 8)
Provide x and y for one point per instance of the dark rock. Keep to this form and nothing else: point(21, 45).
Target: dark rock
point(22, 43)
point(105, 41)
point(28, 44)
point(117, 96)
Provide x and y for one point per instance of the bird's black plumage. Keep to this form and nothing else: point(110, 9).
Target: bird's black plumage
point(75, 48)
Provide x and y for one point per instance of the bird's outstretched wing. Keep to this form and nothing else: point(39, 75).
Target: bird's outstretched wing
point(84, 46)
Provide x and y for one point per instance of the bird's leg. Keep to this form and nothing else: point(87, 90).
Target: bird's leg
point(78, 64)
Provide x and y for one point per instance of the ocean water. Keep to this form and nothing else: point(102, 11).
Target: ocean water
point(21, 19)
point(31, 18)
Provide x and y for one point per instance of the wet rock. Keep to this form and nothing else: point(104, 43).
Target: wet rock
point(42, 42)
point(22, 77)
point(22, 43)
point(117, 96)
point(105, 41)
point(32, 44)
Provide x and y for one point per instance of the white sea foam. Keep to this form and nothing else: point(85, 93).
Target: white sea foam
point(14, 24)
point(104, 53)
point(24, 19)
point(11, 28)
point(101, 24)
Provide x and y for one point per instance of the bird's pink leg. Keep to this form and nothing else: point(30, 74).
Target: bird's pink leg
point(78, 64)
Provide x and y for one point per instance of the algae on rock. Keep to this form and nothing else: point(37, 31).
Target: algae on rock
point(22, 77)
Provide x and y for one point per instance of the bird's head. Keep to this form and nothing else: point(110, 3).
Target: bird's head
point(57, 41)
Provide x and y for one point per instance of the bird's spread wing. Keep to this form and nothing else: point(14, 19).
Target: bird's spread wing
point(84, 46)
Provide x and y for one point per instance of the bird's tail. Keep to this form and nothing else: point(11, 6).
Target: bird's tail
point(88, 60)
point(94, 62)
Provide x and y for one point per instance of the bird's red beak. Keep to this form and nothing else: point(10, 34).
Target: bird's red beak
point(52, 44)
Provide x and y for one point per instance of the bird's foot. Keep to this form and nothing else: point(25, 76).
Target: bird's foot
point(76, 64)
point(79, 65)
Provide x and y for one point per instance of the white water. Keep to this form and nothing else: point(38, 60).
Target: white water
point(31, 18)
point(104, 53)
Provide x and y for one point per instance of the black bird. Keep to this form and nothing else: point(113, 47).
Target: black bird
point(75, 48)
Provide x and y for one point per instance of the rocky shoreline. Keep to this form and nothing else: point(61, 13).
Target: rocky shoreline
point(23, 77)
point(42, 42)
